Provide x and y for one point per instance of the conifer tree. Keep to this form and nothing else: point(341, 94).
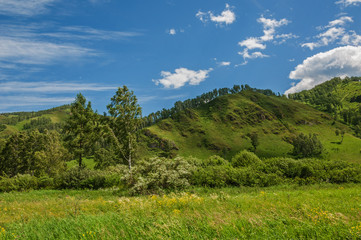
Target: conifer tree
point(79, 128)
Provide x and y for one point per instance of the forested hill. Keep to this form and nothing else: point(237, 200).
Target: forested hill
point(339, 97)
point(227, 124)
point(51, 119)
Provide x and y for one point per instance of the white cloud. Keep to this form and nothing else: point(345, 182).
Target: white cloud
point(223, 64)
point(348, 2)
point(226, 17)
point(269, 33)
point(38, 44)
point(252, 43)
point(25, 51)
point(352, 38)
point(340, 22)
point(269, 27)
point(24, 7)
point(50, 87)
point(31, 101)
point(172, 31)
point(335, 32)
point(246, 55)
point(88, 33)
point(182, 76)
point(338, 62)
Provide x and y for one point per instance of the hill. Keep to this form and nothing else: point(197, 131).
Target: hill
point(339, 97)
point(224, 125)
point(46, 119)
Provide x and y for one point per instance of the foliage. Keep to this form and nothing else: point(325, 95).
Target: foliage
point(33, 153)
point(124, 122)
point(79, 128)
point(157, 174)
point(307, 146)
point(83, 178)
point(245, 159)
point(254, 140)
point(199, 101)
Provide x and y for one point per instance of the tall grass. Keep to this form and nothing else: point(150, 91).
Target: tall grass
point(288, 212)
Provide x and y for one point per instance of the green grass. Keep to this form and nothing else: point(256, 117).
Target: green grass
point(288, 212)
point(221, 127)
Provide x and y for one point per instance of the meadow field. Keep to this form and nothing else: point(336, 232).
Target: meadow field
point(282, 212)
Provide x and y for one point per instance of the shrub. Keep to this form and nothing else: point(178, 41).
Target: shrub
point(157, 174)
point(307, 146)
point(83, 178)
point(212, 176)
point(214, 160)
point(245, 159)
point(20, 182)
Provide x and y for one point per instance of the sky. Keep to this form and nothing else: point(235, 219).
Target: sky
point(170, 50)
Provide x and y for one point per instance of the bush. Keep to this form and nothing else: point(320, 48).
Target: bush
point(307, 146)
point(83, 178)
point(157, 174)
point(245, 159)
point(214, 160)
point(212, 176)
point(20, 182)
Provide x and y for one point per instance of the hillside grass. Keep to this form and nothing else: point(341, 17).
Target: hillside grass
point(222, 126)
point(283, 212)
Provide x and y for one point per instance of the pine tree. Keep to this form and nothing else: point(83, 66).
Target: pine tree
point(79, 128)
point(125, 120)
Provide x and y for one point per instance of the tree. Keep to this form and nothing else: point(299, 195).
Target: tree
point(340, 132)
point(125, 120)
point(33, 153)
point(307, 146)
point(79, 128)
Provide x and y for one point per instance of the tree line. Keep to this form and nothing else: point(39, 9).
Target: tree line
point(198, 101)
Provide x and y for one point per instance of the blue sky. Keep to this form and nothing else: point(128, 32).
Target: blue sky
point(170, 50)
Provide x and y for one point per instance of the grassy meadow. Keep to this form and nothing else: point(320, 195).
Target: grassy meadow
point(283, 212)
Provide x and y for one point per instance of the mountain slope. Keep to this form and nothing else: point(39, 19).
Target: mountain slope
point(18, 121)
point(223, 126)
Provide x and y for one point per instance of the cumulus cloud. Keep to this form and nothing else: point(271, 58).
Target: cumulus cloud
point(335, 32)
point(348, 2)
point(226, 17)
point(269, 33)
point(182, 76)
point(252, 43)
point(338, 62)
point(24, 7)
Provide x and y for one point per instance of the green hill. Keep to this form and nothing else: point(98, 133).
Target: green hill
point(223, 127)
point(46, 119)
point(333, 95)
point(339, 97)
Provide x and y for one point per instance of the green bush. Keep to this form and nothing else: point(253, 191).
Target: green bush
point(20, 182)
point(214, 160)
point(245, 159)
point(212, 176)
point(83, 178)
point(157, 174)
